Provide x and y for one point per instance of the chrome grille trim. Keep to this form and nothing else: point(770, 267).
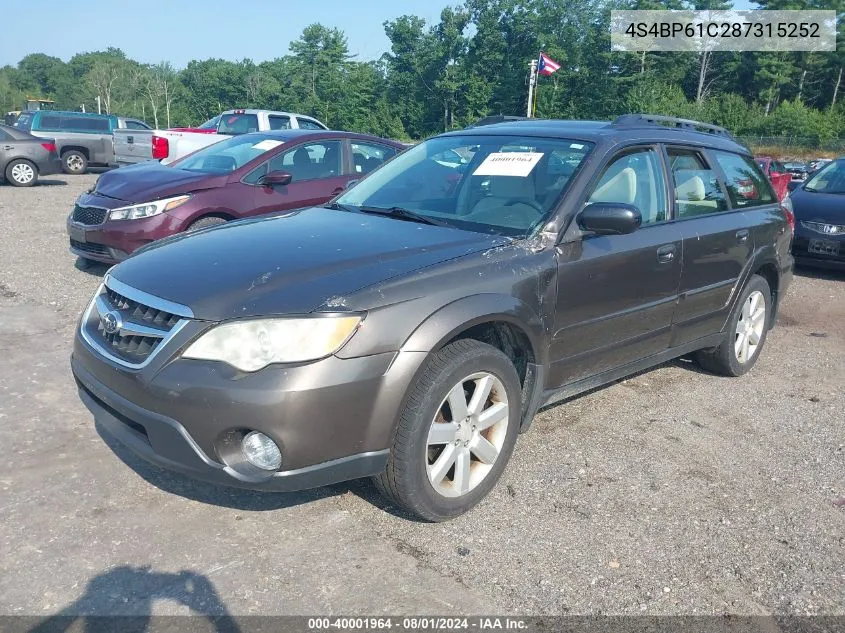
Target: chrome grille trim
point(100, 302)
point(818, 227)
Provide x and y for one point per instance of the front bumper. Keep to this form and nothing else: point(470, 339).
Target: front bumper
point(333, 419)
point(803, 256)
point(112, 242)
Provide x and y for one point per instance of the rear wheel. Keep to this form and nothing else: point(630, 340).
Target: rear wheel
point(456, 433)
point(745, 333)
point(204, 223)
point(74, 162)
point(21, 173)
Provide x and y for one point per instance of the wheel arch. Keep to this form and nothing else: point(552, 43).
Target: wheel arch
point(501, 321)
point(64, 149)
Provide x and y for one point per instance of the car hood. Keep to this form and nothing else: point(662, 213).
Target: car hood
point(818, 207)
point(152, 181)
point(292, 263)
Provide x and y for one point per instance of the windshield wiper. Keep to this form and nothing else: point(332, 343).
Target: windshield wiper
point(811, 189)
point(336, 206)
point(404, 214)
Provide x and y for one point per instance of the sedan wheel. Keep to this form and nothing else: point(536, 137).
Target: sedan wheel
point(749, 328)
point(21, 173)
point(467, 434)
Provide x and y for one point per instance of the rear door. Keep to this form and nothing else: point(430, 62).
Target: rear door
point(617, 293)
point(718, 242)
point(319, 171)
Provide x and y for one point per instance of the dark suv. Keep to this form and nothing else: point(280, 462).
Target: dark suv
point(411, 329)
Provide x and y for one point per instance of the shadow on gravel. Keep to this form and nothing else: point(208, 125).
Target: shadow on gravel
point(90, 267)
point(122, 598)
point(826, 274)
point(240, 499)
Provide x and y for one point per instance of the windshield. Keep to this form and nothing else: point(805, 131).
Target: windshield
point(229, 155)
point(210, 124)
point(493, 184)
point(830, 179)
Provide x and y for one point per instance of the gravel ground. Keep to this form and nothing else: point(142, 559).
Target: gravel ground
point(673, 492)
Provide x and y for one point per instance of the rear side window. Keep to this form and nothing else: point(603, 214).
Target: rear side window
point(24, 121)
point(238, 124)
point(50, 122)
point(4, 136)
point(308, 124)
point(747, 186)
point(279, 122)
point(696, 187)
point(60, 123)
point(367, 156)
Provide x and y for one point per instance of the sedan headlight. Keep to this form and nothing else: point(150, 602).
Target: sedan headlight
point(252, 344)
point(147, 209)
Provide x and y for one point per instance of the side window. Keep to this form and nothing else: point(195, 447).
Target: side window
point(279, 122)
point(5, 136)
point(695, 185)
point(308, 124)
point(310, 161)
point(50, 122)
point(253, 177)
point(367, 156)
point(747, 186)
point(635, 178)
point(136, 125)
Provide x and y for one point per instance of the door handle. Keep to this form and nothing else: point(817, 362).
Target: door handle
point(337, 191)
point(742, 236)
point(8, 147)
point(666, 253)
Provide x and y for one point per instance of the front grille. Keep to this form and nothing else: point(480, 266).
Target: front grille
point(142, 328)
point(89, 215)
point(90, 247)
point(140, 313)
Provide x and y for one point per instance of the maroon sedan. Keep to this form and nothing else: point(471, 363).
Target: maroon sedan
point(240, 177)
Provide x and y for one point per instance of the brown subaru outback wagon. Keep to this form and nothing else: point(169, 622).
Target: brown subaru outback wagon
point(410, 329)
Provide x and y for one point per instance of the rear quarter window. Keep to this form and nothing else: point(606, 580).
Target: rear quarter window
point(746, 184)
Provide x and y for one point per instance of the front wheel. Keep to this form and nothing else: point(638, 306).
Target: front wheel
point(456, 433)
point(21, 173)
point(745, 333)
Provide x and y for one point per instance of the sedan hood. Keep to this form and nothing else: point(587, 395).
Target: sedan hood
point(152, 181)
point(818, 207)
point(290, 264)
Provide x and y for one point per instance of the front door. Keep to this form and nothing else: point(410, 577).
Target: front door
point(318, 175)
point(617, 293)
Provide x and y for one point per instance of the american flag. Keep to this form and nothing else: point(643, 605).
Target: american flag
point(546, 65)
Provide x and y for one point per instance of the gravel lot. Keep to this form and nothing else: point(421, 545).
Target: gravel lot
point(672, 492)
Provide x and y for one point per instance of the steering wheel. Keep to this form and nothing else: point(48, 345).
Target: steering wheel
point(527, 201)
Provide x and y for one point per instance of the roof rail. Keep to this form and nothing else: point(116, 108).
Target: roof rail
point(635, 120)
point(496, 118)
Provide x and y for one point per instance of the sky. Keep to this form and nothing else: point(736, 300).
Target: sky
point(182, 30)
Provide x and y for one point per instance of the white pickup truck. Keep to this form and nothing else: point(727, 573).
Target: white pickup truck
point(135, 146)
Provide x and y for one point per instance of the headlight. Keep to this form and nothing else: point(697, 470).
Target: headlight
point(147, 209)
point(252, 344)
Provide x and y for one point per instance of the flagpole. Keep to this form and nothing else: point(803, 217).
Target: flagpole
point(532, 81)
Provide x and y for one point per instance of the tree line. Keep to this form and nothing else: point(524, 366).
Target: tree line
point(472, 63)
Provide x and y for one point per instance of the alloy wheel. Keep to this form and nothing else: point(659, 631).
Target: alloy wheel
point(749, 328)
point(467, 434)
point(23, 173)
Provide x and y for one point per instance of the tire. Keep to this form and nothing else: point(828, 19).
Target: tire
point(21, 173)
point(415, 462)
point(204, 223)
point(74, 162)
point(733, 356)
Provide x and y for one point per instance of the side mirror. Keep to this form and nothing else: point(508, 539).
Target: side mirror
point(276, 178)
point(610, 218)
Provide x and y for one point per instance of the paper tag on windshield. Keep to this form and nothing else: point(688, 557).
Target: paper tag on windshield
point(508, 164)
point(267, 144)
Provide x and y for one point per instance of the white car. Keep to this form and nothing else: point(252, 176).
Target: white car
point(135, 146)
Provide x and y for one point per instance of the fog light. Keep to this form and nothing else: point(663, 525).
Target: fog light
point(261, 451)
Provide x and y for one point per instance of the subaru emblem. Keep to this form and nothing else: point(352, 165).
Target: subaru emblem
point(111, 321)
